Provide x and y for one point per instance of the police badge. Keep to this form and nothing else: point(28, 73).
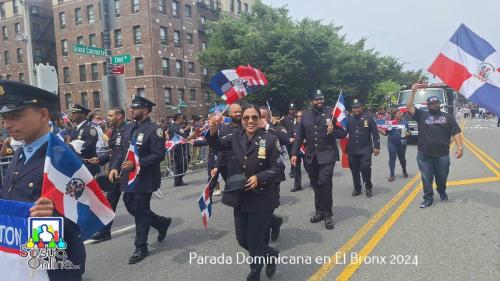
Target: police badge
point(93, 132)
point(2, 91)
point(159, 132)
point(262, 149)
point(365, 123)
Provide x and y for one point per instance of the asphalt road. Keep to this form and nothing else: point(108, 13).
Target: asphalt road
point(457, 240)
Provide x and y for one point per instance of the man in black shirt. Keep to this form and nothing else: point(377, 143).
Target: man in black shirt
point(435, 128)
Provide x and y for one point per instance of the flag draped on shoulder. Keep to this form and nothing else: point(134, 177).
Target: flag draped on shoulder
point(470, 65)
point(133, 156)
point(340, 113)
point(175, 140)
point(74, 191)
point(233, 84)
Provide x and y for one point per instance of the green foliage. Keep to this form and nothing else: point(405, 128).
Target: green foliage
point(299, 56)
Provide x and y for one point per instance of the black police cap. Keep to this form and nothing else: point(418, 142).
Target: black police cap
point(316, 94)
point(235, 183)
point(15, 96)
point(79, 108)
point(356, 102)
point(141, 102)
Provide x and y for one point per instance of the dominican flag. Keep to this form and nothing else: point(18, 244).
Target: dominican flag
point(233, 84)
point(176, 139)
point(205, 201)
point(65, 117)
point(75, 193)
point(340, 113)
point(470, 65)
point(133, 156)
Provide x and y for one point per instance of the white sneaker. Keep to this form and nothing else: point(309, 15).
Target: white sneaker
point(217, 192)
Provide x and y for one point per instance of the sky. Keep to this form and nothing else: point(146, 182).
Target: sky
point(413, 31)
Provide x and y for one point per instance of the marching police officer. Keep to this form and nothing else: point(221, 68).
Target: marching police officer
point(289, 123)
point(180, 150)
point(26, 113)
point(364, 140)
point(116, 120)
point(320, 131)
point(85, 131)
point(296, 170)
point(150, 142)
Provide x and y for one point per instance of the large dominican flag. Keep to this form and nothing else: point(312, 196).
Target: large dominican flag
point(340, 113)
point(470, 65)
point(233, 84)
point(75, 193)
point(133, 156)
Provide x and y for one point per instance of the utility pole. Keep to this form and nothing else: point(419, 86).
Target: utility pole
point(114, 99)
point(29, 43)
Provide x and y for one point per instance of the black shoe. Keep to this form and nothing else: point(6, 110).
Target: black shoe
point(138, 256)
point(180, 184)
point(275, 229)
point(316, 218)
point(444, 197)
point(271, 266)
point(405, 174)
point(426, 204)
point(356, 193)
point(101, 236)
point(296, 189)
point(329, 223)
point(369, 193)
point(163, 232)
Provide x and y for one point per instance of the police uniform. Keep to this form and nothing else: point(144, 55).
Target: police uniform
point(224, 156)
point(24, 177)
point(296, 170)
point(87, 132)
point(150, 142)
point(289, 123)
point(259, 156)
point(321, 155)
point(363, 138)
point(181, 154)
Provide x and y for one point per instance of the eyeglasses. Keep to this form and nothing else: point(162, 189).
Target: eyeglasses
point(254, 118)
point(299, 116)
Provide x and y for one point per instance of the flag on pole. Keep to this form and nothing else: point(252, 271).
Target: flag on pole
point(65, 117)
point(233, 84)
point(74, 191)
point(205, 201)
point(176, 139)
point(470, 65)
point(133, 156)
point(340, 113)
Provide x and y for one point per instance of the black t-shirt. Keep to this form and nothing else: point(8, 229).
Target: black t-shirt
point(434, 132)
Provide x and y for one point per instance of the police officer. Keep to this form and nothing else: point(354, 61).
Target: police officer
point(364, 140)
point(116, 120)
point(85, 131)
point(320, 132)
point(289, 123)
point(296, 170)
point(256, 156)
point(180, 150)
point(150, 142)
point(26, 113)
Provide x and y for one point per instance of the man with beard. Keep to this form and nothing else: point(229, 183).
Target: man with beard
point(150, 142)
point(85, 131)
point(320, 131)
point(364, 139)
point(435, 128)
point(180, 150)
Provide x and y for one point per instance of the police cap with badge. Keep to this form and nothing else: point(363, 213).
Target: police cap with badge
point(235, 185)
point(356, 103)
point(15, 96)
point(79, 108)
point(141, 102)
point(316, 95)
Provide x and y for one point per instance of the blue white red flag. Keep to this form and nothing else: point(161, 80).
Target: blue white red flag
point(65, 117)
point(470, 65)
point(233, 84)
point(74, 191)
point(340, 112)
point(176, 139)
point(205, 200)
point(133, 156)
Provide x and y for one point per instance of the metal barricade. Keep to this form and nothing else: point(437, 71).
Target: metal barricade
point(191, 158)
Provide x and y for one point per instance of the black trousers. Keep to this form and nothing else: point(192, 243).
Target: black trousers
point(223, 172)
point(180, 167)
point(361, 164)
point(297, 171)
point(251, 231)
point(138, 205)
point(289, 150)
point(321, 180)
point(113, 199)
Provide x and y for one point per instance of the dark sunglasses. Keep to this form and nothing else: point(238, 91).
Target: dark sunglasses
point(254, 118)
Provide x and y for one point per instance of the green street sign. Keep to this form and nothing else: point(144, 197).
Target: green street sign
point(121, 59)
point(88, 50)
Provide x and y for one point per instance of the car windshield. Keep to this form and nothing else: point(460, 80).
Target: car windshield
point(421, 96)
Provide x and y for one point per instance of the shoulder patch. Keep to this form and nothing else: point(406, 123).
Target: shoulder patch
point(283, 130)
point(159, 132)
point(93, 132)
point(277, 143)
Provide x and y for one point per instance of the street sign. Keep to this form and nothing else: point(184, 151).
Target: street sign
point(118, 69)
point(88, 50)
point(121, 59)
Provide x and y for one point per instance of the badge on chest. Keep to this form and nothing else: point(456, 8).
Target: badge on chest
point(262, 149)
point(365, 123)
point(140, 138)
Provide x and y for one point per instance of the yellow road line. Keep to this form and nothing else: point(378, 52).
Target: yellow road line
point(484, 154)
point(472, 181)
point(321, 273)
point(486, 163)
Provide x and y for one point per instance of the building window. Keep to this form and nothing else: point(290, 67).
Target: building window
point(139, 67)
point(78, 16)
point(84, 99)
point(207, 97)
point(203, 20)
point(117, 8)
point(118, 38)
point(15, 7)
point(19, 53)
point(167, 95)
point(238, 7)
point(37, 54)
point(191, 67)
point(6, 57)
point(161, 7)
point(21, 77)
point(2, 10)
point(83, 74)
point(178, 68)
point(79, 40)
point(163, 36)
point(192, 94)
point(187, 11)
point(92, 40)
point(66, 75)
point(94, 71)
point(17, 28)
point(135, 6)
point(68, 100)
point(205, 74)
point(175, 9)
point(181, 96)
point(137, 35)
point(140, 92)
point(5, 33)
point(203, 45)
point(165, 66)
point(90, 14)
point(189, 38)
point(62, 20)
point(64, 46)
point(96, 99)
point(177, 38)
point(246, 7)
point(8, 76)
point(232, 6)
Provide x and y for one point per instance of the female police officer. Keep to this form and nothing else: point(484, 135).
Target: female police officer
point(256, 156)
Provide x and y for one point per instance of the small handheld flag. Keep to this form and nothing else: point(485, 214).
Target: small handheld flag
point(176, 139)
point(340, 113)
point(205, 201)
point(133, 156)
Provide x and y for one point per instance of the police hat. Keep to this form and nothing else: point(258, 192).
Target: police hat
point(356, 102)
point(316, 95)
point(292, 106)
point(141, 102)
point(79, 108)
point(433, 99)
point(15, 95)
point(235, 183)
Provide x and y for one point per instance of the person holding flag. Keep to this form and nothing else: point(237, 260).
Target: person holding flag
point(139, 187)
point(181, 160)
point(26, 114)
